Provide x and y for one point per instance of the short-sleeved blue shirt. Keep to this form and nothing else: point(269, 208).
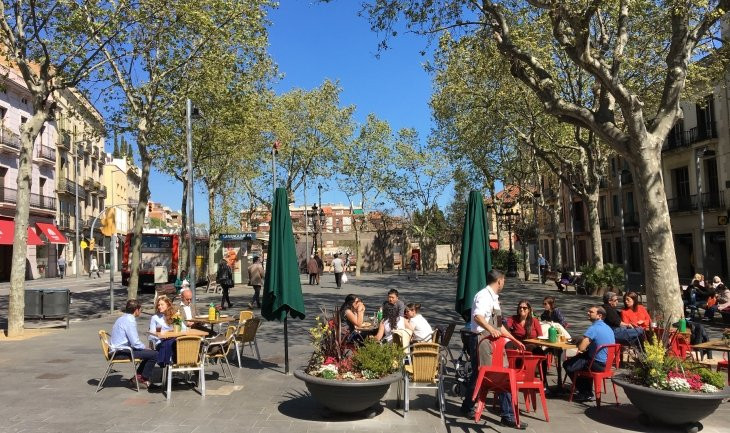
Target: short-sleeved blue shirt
point(600, 334)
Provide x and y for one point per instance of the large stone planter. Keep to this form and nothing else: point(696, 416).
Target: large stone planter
point(348, 396)
point(680, 409)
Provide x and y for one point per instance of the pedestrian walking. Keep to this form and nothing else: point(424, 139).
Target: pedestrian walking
point(338, 267)
point(542, 264)
point(256, 280)
point(320, 266)
point(94, 268)
point(61, 266)
point(413, 268)
point(312, 269)
point(224, 277)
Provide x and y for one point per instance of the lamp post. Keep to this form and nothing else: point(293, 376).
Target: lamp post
point(77, 246)
point(306, 221)
point(191, 195)
point(321, 223)
point(508, 218)
point(315, 224)
point(699, 155)
point(624, 249)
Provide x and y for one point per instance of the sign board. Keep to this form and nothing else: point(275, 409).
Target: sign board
point(247, 236)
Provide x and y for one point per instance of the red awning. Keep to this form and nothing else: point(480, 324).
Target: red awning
point(494, 245)
point(52, 233)
point(7, 232)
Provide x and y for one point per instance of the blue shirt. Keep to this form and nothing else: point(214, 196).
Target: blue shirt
point(600, 334)
point(124, 333)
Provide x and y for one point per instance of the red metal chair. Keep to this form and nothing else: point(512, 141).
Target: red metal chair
point(723, 365)
point(495, 378)
point(612, 351)
point(530, 383)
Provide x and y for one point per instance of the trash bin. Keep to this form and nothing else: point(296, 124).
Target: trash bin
point(47, 303)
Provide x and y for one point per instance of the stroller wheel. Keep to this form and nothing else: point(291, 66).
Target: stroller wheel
point(456, 389)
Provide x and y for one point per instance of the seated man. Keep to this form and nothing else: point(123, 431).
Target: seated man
point(596, 335)
point(624, 333)
point(394, 299)
point(124, 334)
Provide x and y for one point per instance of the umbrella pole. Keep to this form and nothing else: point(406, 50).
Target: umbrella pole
point(286, 346)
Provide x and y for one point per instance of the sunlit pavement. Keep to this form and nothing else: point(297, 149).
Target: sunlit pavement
point(48, 381)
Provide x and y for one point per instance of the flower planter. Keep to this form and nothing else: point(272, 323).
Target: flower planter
point(347, 396)
point(673, 408)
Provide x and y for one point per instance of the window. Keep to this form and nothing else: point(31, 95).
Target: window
point(615, 205)
point(619, 251)
point(680, 178)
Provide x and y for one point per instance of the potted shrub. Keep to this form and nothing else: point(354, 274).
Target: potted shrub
point(669, 390)
point(345, 378)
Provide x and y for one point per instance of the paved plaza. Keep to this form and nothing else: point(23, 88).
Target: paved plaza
point(48, 381)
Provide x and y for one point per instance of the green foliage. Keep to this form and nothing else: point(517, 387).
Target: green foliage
point(376, 360)
point(611, 277)
point(500, 259)
point(714, 378)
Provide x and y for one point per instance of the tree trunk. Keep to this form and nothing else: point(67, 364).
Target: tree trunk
point(358, 252)
point(213, 227)
point(660, 262)
point(595, 228)
point(555, 228)
point(184, 253)
point(16, 306)
point(144, 196)
point(525, 260)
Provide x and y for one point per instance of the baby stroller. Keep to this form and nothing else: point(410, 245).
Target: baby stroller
point(462, 365)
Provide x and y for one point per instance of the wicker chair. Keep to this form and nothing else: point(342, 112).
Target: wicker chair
point(213, 286)
point(110, 357)
point(425, 370)
point(245, 315)
point(246, 334)
point(189, 358)
point(219, 348)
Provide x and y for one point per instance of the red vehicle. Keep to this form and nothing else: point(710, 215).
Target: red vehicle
point(157, 250)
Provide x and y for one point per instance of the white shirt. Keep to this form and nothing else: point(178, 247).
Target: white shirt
point(187, 312)
point(421, 329)
point(337, 265)
point(485, 304)
point(155, 321)
point(388, 334)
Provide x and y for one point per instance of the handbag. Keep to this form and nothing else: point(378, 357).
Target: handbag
point(344, 278)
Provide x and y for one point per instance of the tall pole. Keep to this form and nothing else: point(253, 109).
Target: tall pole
point(703, 246)
point(624, 249)
point(273, 169)
point(321, 223)
point(191, 196)
point(77, 245)
point(572, 232)
point(306, 221)
point(113, 267)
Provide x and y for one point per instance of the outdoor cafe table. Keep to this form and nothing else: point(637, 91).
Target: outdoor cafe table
point(367, 329)
point(714, 345)
point(557, 349)
point(205, 320)
point(175, 334)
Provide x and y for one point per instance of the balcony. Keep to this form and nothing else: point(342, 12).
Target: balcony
point(133, 202)
point(102, 158)
point(102, 191)
point(713, 200)
point(64, 140)
point(37, 201)
point(685, 203)
point(88, 184)
point(46, 155)
point(97, 185)
point(64, 222)
point(9, 141)
point(68, 187)
point(687, 138)
point(94, 152)
point(631, 219)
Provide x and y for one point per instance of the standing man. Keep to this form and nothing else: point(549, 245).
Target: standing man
point(320, 266)
point(224, 277)
point(338, 267)
point(312, 269)
point(124, 335)
point(542, 264)
point(62, 266)
point(256, 280)
point(486, 320)
point(596, 335)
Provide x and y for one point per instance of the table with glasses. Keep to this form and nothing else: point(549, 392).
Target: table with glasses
point(557, 350)
point(210, 323)
point(717, 345)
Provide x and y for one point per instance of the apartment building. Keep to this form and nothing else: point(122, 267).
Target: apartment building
point(80, 167)
point(15, 110)
point(122, 181)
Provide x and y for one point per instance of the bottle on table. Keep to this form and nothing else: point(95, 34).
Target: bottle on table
point(211, 311)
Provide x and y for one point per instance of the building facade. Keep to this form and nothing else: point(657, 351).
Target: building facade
point(122, 179)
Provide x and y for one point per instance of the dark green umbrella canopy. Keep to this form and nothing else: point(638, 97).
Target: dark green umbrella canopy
point(476, 258)
point(282, 288)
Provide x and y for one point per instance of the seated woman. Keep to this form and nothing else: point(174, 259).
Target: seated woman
point(181, 281)
point(551, 312)
point(522, 325)
point(564, 280)
point(352, 313)
point(634, 313)
point(722, 301)
point(391, 321)
point(422, 331)
point(162, 319)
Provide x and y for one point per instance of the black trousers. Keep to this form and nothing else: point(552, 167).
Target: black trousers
point(225, 298)
point(256, 296)
point(338, 279)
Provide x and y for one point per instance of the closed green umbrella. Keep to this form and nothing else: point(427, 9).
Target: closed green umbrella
point(476, 258)
point(282, 288)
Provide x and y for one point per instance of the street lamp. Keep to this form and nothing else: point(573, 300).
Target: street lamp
point(509, 217)
point(321, 222)
point(699, 154)
point(624, 247)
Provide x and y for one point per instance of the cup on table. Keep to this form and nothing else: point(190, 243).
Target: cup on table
point(159, 328)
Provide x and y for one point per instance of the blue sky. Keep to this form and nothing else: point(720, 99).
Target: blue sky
point(311, 42)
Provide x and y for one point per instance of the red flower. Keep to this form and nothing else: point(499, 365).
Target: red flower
point(329, 360)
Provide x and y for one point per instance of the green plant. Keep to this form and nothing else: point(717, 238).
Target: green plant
point(500, 258)
point(376, 360)
point(611, 277)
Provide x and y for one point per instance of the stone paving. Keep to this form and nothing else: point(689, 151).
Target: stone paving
point(48, 381)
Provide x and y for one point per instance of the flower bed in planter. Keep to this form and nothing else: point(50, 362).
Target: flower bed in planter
point(348, 396)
